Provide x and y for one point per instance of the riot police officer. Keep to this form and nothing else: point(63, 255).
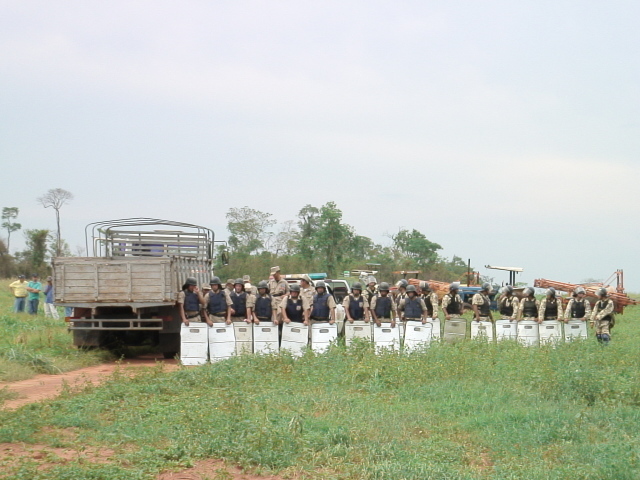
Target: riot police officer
point(452, 305)
point(217, 302)
point(238, 309)
point(355, 305)
point(295, 307)
point(191, 302)
point(412, 307)
point(602, 317)
point(481, 304)
point(578, 307)
point(382, 307)
point(262, 307)
point(528, 309)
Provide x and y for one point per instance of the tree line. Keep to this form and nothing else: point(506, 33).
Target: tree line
point(319, 241)
point(40, 244)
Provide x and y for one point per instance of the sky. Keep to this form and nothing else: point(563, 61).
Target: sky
point(507, 132)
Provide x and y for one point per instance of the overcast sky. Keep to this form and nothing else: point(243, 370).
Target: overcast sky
point(508, 132)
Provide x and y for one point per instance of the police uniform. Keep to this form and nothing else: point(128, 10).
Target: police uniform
point(483, 302)
point(321, 306)
point(550, 309)
point(528, 309)
point(369, 293)
point(508, 307)
point(356, 306)
point(431, 300)
point(216, 304)
point(578, 308)
point(400, 296)
point(239, 304)
point(190, 301)
point(412, 309)
point(602, 316)
point(452, 305)
point(384, 308)
point(263, 306)
point(295, 308)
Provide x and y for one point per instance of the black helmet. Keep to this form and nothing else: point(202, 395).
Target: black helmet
point(295, 287)
point(383, 287)
point(528, 291)
point(551, 291)
point(357, 286)
point(426, 287)
point(486, 286)
point(238, 281)
point(508, 289)
point(215, 281)
point(189, 281)
point(411, 288)
point(602, 292)
point(320, 284)
point(263, 284)
point(402, 283)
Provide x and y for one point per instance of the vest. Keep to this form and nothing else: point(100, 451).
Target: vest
point(412, 308)
point(383, 307)
point(217, 302)
point(455, 307)
point(191, 301)
point(529, 308)
point(485, 308)
point(506, 306)
point(602, 304)
point(294, 310)
point(356, 307)
point(429, 304)
point(551, 309)
point(239, 303)
point(578, 309)
point(320, 308)
point(263, 307)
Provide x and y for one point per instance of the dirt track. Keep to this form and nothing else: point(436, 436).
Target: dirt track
point(43, 387)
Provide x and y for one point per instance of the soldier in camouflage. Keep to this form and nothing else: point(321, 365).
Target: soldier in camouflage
point(578, 308)
point(602, 317)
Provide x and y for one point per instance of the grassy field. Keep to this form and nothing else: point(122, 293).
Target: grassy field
point(34, 344)
point(464, 411)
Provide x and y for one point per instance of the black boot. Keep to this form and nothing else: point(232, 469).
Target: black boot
point(599, 337)
point(606, 338)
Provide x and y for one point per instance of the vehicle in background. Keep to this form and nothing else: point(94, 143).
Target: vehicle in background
point(126, 292)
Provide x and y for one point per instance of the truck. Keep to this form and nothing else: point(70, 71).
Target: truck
point(124, 292)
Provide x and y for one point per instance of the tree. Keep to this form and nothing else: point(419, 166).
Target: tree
point(8, 215)
point(36, 252)
point(59, 249)
point(416, 246)
point(332, 237)
point(248, 229)
point(285, 241)
point(56, 198)
point(308, 224)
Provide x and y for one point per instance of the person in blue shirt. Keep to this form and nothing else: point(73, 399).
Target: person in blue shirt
point(34, 287)
point(50, 309)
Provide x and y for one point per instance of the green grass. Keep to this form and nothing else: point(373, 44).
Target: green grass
point(30, 345)
point(464, 411)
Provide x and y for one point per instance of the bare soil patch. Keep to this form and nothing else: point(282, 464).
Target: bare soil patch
point(44, 387)
point(213, 470)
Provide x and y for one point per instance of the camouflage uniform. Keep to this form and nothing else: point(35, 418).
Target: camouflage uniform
point(506, 303)
point(435, 300)
point(543, 307)
point(602, 316)
point(480, 299)
point(574, 302)
point(521, 309)
point(446, 300)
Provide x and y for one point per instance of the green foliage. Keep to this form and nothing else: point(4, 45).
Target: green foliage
point(466, 411)
point(248, 229)
point(34, 256)
point(416, 246)
point(9, 214)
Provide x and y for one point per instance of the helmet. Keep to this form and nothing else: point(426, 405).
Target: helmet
point(487, 287)
point(190, 281)
point(528, 291)
point(263, 284)
point(238, 281)
point(402, 283)
point(579, 290)
point(508, 289)
point(454, 286)
point(551, 291)
point(295, 287)
point(411, 288)
point(320, 284)
point(602, 292)
point(371, 279)
point(215, 281)
point(356, 286)
point(426, 287)
point(384, 286)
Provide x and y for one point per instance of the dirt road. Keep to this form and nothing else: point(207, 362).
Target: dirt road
point(42, 387)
